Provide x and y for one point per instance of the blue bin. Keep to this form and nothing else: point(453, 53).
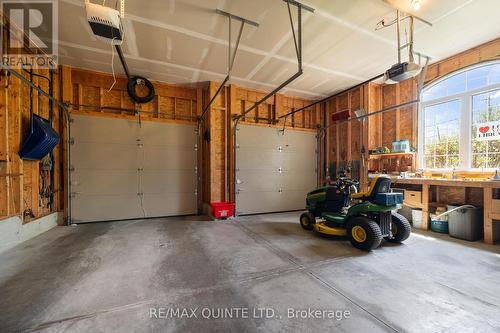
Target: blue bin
point(42, 139)
point(389, 199)
point(439, 226)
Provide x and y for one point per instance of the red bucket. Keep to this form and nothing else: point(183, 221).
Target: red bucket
point(222, 210)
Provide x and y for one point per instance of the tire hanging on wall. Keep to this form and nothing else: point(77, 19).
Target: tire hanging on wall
point(135, 81)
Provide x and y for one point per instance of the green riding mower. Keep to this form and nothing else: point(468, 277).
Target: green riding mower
point(372, 218)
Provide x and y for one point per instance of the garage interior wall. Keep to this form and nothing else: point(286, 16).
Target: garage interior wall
point(26, 189)
point(20, 180)
point(343, 141)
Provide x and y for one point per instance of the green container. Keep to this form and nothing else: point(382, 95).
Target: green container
point(439, 226)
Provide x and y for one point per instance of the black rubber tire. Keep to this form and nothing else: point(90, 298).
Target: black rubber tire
point(307, 221)
point(402, 228)
point(372, 230)
point(132, 82)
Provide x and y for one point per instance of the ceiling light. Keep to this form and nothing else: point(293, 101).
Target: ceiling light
point(416, 4)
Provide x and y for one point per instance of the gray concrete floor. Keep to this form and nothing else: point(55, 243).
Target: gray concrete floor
point(109, 277)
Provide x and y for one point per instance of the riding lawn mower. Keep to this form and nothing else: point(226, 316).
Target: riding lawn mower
point(373, 217)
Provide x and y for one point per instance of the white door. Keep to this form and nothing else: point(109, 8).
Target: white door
point(274, 169)
point(123, 169)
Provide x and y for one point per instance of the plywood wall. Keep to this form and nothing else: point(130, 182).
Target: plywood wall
point(218, 154)
point(88, 93)
point(345, 140)
point(402, 123)
point(91, 94)
point(24, 187)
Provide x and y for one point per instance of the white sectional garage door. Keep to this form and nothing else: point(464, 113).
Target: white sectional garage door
point(274, 170)
point(123, 169)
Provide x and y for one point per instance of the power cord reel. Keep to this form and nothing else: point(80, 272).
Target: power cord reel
point(106, 24)
point(136, 86)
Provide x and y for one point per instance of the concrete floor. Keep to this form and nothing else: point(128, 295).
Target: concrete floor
point(110, 277)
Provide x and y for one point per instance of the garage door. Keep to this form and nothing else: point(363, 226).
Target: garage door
point(123, 169)
point(274, 170)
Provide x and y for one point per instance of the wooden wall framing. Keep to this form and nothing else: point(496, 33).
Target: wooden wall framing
point(343, 140)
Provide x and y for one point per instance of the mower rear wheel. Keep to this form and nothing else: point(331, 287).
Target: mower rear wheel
point(307, 221)
point(400, 228)
point(364, 233)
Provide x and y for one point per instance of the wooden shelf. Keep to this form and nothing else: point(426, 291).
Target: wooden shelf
point(413, 205)
point(389, 155)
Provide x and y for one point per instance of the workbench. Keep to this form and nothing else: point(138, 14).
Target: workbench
point(491, 198)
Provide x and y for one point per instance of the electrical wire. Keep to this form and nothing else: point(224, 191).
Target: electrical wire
point(113, 64)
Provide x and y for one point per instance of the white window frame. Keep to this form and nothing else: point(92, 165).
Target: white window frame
point(465, 121)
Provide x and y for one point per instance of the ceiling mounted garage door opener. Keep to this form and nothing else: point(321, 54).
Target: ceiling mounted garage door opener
point(106, 24)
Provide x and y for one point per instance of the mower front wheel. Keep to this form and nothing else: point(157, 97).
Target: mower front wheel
point(400, 228)
point(307, 221)
point(364, 233)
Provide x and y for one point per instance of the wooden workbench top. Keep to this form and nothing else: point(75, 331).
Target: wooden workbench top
point(447, 182)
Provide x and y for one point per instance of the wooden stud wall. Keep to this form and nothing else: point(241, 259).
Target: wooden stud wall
point(90, 95)
point(21, 180)
point(342, 139)
point(234, 101)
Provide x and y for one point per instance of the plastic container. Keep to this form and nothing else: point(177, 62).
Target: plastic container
point(389, 199)
point(466, 223)
point(416, 217)
point(222, 210)
point(41, 140)
point(401, 146)
point(440, 226)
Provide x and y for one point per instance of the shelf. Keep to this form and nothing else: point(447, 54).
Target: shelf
point(412, 205)
point(389, 155)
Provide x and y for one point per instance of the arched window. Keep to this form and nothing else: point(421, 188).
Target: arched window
point(459, 123)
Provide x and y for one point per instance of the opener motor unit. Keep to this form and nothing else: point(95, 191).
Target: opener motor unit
point(401, 72)
point(105, 22)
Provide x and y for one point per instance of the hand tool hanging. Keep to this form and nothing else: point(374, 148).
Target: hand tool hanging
point(106, 23)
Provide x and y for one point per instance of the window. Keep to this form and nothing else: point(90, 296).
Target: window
point(460, 120)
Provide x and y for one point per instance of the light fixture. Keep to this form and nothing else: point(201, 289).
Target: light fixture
point(416, 4)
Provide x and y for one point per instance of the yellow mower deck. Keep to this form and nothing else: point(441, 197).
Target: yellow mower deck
point(321, 227)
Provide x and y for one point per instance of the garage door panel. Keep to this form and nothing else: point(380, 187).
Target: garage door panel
point(92, 208)
point(169, 204)
point(169, 181)
point(121, 131)
point(299, 161)
point(116, 162)
point(178, 135)
point(260, 136)
point(275, 171)
point(298, 181)
point(168, 158)
point(256, 180)
point(298, 138)
point(104, 156)
point(255, 159)
point(104, 182)
point(254, 202)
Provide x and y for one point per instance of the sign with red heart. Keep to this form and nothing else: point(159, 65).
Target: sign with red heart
point(488, 131)
point(484, 129)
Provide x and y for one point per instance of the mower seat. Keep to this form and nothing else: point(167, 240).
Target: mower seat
point(379, 184)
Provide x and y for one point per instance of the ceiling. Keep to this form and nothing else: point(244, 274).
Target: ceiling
point(185, 41)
